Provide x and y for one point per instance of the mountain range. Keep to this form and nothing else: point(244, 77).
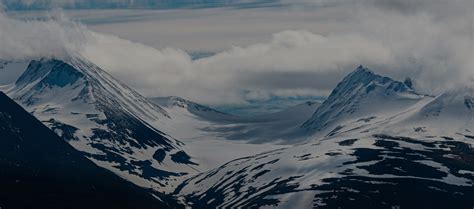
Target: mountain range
point(373, 143)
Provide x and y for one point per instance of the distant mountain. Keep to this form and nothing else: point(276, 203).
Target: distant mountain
point(201, 111)
point(40, 170)
point(393, 148)
point(103, 118)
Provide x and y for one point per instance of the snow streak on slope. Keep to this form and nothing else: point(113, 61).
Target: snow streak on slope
point(426, 142)
point(103, 118)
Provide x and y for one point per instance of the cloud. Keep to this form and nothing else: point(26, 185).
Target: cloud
point(434, 48)
point(32, 39)
point(297, 61)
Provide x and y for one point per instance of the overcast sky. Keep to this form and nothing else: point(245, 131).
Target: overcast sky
point(261, 53)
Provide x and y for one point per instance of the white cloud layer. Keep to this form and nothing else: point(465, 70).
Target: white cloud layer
point(433, 46)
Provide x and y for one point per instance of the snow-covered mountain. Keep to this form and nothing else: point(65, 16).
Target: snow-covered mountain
point(120, 129)
point(41, 170)
point(396, 149)
point(362, 97)
point(100, 116)
point(366, 146)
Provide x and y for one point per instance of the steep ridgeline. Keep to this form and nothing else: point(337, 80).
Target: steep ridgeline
point(41, 170)
point(418, 157)
point(104, 119)
point(361, 97)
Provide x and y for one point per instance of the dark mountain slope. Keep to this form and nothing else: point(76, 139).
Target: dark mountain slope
point(40, 170)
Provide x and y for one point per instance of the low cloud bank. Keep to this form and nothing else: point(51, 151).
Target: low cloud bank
point(434, 48)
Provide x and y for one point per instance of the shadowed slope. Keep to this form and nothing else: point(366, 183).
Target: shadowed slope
point(40, 170)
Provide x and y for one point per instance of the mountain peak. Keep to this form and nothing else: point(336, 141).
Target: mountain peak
point(358, 93)
point(41, 69)
point(364, 77)
point(361, 75)
point(363, 70)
